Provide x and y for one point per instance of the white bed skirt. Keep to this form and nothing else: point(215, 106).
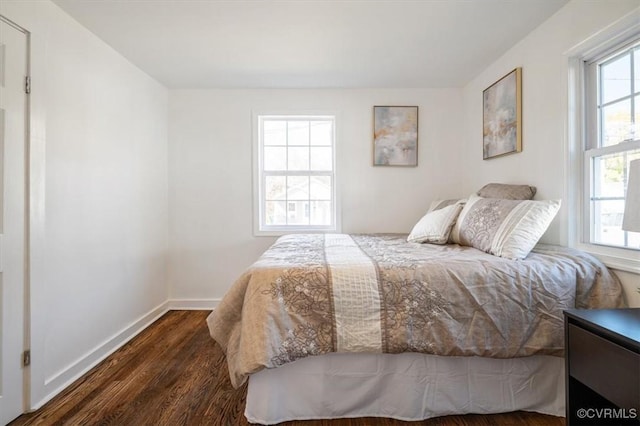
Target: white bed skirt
point(406, 386)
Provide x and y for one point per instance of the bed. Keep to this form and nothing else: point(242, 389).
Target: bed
point(384, 325)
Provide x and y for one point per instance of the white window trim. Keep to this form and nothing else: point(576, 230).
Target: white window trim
point(275, 231)
point(625, 29)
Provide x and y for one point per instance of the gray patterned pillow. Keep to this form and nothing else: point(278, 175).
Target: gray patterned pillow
point(507, 191)
point(505, 228)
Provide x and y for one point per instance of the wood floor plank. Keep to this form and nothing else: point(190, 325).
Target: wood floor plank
point(173, 373)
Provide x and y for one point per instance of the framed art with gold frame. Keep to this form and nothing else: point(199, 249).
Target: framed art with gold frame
point(502, 116)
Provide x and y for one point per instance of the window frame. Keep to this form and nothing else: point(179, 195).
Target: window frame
point(623, 33)
point(260, 228)
point(594, 132)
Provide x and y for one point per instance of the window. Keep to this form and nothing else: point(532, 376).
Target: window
point(296, 173)
point(612, 141)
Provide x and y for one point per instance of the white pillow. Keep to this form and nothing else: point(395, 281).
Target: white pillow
point(435, 226)
point(439, 204)
point(505, 228)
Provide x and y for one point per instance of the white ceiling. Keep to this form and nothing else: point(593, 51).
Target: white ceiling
point(311, 43)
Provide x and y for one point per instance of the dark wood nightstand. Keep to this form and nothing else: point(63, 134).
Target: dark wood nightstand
point(602, 363)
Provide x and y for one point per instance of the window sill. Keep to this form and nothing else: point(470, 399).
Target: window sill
point(278, 232)
point(627, 260)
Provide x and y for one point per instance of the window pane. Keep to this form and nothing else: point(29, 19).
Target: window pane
point(274, 132)
point(298, 187)
point(607, 205)
point(321, 158)
point(320, 188)
point(275, 213)
point(275, 188)
point(321, 132)
point(635, 130)
point(616, 79)
point(298, 213)
point(636, 70)
point(321, 213)
point(607, 216)
point(298, 132)
point(298, 158)
point(275, 158)
point(633, 240)
point(616, 123)
point(608, 176)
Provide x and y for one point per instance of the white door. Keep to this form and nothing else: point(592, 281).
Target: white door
point(13, 136)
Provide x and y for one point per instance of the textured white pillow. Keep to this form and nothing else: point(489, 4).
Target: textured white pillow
point(435, 226)
point(440, 204)
point(505, 228)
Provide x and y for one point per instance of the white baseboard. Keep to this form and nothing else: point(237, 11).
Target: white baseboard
point(193, 304)
point(59, 381)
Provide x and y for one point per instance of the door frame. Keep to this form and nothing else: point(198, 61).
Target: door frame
point(26, 336)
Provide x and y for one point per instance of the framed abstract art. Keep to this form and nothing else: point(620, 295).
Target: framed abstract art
point(502, 116)
point(395, 136)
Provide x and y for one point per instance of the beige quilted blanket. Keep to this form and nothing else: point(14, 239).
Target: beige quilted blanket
point(314, 294)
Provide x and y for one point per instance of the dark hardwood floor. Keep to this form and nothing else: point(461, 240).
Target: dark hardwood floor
point(173, 373)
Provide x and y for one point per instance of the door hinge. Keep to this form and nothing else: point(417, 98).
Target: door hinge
point(26, 358)
point(27, 85)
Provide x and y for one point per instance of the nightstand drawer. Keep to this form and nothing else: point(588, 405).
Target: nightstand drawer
point(605, 367)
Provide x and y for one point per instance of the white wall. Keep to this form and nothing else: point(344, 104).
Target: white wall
point(99, 196)
point(543, 161)
point(210, 163)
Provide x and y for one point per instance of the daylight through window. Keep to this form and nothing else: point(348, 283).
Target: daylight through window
point(297, 179)
point(613, 141)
